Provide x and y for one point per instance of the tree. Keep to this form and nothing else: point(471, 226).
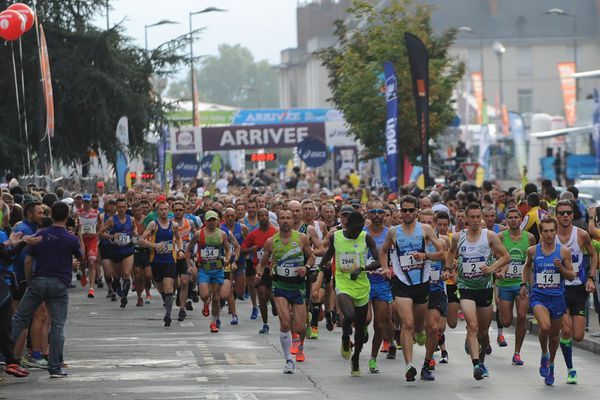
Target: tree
point(355, 66)
point(97, 77)
point(233, 78)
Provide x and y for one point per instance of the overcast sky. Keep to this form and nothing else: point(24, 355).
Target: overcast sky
point(264, 26)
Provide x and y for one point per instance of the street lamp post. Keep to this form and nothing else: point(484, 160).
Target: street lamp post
point(161, 22)
point(499, 50)
point(193, 80)
point(562, 13)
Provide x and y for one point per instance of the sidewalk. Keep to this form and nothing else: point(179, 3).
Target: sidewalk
point(589, 342)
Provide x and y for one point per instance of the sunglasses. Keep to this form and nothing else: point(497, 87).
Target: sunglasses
point(377, 211)
point(178, 210)
point(408, 210)
point(564, 212)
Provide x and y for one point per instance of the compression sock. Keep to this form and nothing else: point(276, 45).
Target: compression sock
point(126, 287)
point(316, 310)
point(441, 339)
point(567, 350)
point(286, 342)
point(168, 303)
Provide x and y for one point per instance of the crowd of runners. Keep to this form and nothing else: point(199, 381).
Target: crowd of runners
point(410, 265)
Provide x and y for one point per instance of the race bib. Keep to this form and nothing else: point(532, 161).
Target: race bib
point(548, 280)
point(122, 239)
point(288, 270)
point(408, 262)
point(435, 276)
point(209, 253)
point(472, 267)
point(88, 229)
point(515, 270)
point(575, 269)
point(166, 248)
point(349, 262)
point(259, 254)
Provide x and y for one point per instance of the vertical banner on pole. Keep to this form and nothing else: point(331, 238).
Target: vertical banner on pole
point(517, 128)
point(122, 134)
point(596, 130)
point(569, 90)
point(418, 58)
point(196, 116)
point(47, 83)
point(477, 79)
point(391, 126)
point(162, 148)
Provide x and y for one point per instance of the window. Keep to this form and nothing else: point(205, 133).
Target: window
point(525, 100)
point(525, 60)
point(474, 61)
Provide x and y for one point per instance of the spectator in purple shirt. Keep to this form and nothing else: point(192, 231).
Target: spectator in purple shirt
point(49, 283)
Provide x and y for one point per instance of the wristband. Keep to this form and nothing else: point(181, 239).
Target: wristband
point(593, 278)
point(522, 284)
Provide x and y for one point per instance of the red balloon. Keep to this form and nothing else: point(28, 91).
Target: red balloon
point(12, 25)
point(25, 11)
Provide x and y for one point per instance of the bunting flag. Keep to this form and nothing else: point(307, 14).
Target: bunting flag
point(391, 127)
point(569, 90)
point(47, 84)
point(418, 58)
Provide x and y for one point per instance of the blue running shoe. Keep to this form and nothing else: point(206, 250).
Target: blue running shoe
point(426, 375)
point(549, 379)
point(486, 372)
point(264, 330)
point(478, 372)
point(544, 366)
point(254, 314)
point(234, 320)
point(218, 322)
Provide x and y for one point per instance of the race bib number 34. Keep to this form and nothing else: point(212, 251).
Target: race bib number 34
point(209, 253)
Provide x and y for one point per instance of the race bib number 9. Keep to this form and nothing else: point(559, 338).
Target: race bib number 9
point(288, 270)
point(547, 280)
point(209, 253)
point(349, 262)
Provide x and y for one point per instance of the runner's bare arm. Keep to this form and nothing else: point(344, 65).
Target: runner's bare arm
point(190, 246)
point(373, 249)
point(388, 243)
point(500, 254)
point(451, 255)
point(590, 285)
point(103, 233)
point(318, 250)
point(564, 265)
point(429, 234)
point(328, 255)
point(144, 239)
point(267, 255)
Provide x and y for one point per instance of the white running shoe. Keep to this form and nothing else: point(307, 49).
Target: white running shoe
point(289, 367)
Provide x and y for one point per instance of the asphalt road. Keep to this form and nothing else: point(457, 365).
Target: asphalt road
point(116, 353)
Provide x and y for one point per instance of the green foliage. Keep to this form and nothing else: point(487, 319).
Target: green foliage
point(356, 63)
point(98, 76)
point(232, 78)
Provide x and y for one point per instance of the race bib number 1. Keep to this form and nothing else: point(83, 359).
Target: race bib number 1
point(408, 262)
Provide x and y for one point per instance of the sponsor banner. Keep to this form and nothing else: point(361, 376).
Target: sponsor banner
point(205, 163)
point(596, 130)
point(122, 134)
point(162, 149)
point(345, 158)
point(418, 58)
point(391, 125)
point(313, 152)
point(224, 138)
point(186, 166)
point(477, 79)
point(185, 139)
point(569, 90)
point(517, 130)
point(47, 84)
point(285, 116)
point(336, 134)
point(207, 118)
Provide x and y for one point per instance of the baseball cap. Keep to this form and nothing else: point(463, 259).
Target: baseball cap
point(100, 184)
point(210, 215)
point(338, 198)
point(161, 197)
point(206, 194)
point(87, 197)
point(347, 210)
point(355, 203)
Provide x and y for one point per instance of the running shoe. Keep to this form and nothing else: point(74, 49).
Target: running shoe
point(16, 370)
point(83, 280)
point(461, 316)
point(478, 372)
point(488, 349)
point(385, 346)
point(31, 362)
point(189, 306)
point(314, 332)
point(140, 302)
point(432, 365)
point(501, 341)
point(99, 283)
point(410, 374)
point(182, 315)
point(123, 302)
point(421, 337)
point(213, 328)
point(549, 379)
point(234, 320)
point(148, 298)
point(426, 375)
point(544, 365)
point(295, 343)
point(355, 370)
point(572, 377)
point(264, 330)
point(113, 296)
point(58, 373)
point(195, 297)
point(486, 372)
point(78, 276)
point(289, 367)
point(345, 348)
point(218, 323)
point(444, 358)
point(167, 320)
point(373, 366)
point(254, 314)
point(516, 360)
point(329, 321)
point(91, 293)
point(391, 355)
point(300, 357)
point(205, 310)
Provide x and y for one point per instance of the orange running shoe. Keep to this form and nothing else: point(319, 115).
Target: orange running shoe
point(432, 365)
point(385, 346)
point(205, 310)
point(213, 328)
point(295, 343)
point(300, 357)
point(91, 293)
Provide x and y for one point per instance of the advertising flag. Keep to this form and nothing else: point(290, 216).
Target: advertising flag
point(596, 130)
point(47, 84)
point(569, 90)
point(477, 79)
point(418, 58)
point(196, 116)
point(122, 134)
point(391, 126)
point(517, 129)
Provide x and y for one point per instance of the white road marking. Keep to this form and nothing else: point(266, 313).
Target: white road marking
point(245, 396)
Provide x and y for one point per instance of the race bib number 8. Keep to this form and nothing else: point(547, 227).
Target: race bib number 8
point(515, 270)
point(209, 253)
point(547, 280)
point(349, 262)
